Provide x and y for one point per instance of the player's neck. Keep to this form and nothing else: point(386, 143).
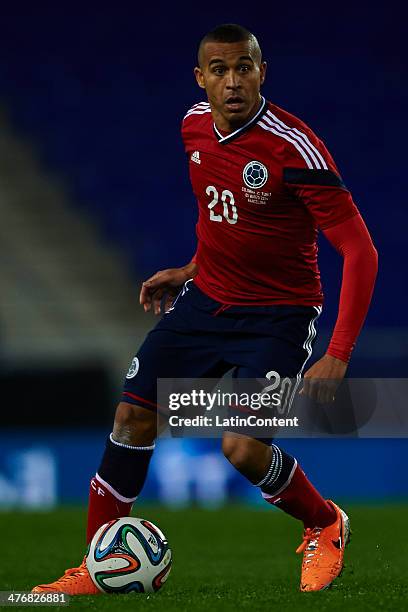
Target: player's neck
point(228, 126)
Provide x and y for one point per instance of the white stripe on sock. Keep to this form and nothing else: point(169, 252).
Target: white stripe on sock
point(129, 446)
point(287, 483)
point(126, 500)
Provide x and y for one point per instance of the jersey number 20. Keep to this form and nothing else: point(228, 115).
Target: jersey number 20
point(230, 212)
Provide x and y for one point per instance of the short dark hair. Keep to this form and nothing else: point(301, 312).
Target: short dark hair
point(229, 33)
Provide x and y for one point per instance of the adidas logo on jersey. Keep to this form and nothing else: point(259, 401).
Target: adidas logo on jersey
point(195, 157)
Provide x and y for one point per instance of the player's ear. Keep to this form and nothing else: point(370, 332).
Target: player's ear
point(199, 77)
point(262, 70)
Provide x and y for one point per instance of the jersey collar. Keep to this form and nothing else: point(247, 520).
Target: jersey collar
point(225, 139)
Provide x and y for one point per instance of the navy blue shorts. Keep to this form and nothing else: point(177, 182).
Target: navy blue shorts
point(201, 338)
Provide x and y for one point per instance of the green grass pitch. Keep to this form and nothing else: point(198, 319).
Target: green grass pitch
point(230, 559)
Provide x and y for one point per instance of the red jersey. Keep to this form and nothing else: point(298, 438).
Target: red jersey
point(262, 193)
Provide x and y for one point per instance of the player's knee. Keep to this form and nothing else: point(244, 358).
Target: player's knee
point(134, 425)
point(238, 450)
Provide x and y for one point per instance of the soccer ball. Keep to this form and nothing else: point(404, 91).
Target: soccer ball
point(129, 555)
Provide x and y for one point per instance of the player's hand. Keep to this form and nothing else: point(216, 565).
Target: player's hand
point(165, 284)
point(321, 381)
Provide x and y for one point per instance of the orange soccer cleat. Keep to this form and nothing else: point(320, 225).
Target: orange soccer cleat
point(75, 581)
point(323, 552)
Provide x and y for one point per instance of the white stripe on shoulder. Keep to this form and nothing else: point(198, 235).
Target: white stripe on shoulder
point(298, 134)
point(292, 134)
point(199, 111)
point(198, 106)
point(295, 143)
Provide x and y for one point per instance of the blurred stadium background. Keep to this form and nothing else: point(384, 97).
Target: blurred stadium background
point(94, 197)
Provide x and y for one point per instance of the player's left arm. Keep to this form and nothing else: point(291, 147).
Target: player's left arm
point(316, 181)
point(353, 242)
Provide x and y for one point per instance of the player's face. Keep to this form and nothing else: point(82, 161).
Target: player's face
point(231, 74)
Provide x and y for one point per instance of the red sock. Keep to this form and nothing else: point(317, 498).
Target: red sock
point(105, 504)
point(302, 501)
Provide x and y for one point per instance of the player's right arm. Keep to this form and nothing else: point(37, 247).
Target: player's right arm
point(165, 284)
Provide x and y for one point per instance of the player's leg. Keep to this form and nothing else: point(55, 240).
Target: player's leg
point(283, 483)
point(116, 485)
point(284, 346)
point(176, 348)
point(249, 456)
point(171, 350)
point(279, 477)
point(124, 466)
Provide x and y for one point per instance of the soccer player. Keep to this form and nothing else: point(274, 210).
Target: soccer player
point(250, 297)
